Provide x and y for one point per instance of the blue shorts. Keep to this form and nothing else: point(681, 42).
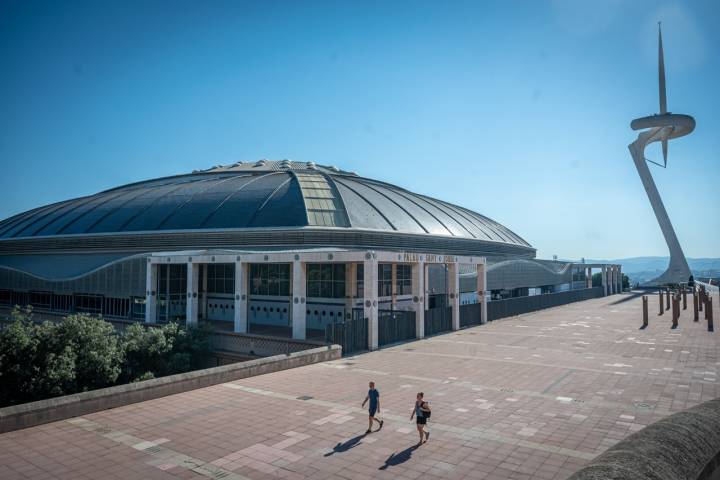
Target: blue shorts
point(373, 410)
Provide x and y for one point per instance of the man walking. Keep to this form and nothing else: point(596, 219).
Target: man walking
point(373, 396)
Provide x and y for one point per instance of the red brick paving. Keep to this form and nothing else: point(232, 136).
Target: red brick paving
point(535, 396)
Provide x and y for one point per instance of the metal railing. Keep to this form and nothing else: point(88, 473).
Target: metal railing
point(470, 314)
point(519, 305)
point(395, 326)
point(438, 320)
point(351, 334)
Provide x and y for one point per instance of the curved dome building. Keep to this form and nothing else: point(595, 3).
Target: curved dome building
point(277, 247)
point(278, 204)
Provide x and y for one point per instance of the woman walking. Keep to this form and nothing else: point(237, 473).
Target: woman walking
point(421, 411)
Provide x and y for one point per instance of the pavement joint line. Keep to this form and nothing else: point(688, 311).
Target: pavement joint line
point(557, 381)
point(473, 433)
point(574, 338)
point(166, 455)
point(528, 393)
point(535, 364)
point(557, 350)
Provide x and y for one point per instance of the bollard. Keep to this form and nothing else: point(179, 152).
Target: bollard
point(661, 302)
point(667, 298)
point(707, 302)
point(701, 300)
point(710, 315)
point(675, 312)
point(645, 313)
point(696, 315)
point(684, 295)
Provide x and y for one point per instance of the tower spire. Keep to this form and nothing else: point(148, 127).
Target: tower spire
point(663, 94)
point(661, 72)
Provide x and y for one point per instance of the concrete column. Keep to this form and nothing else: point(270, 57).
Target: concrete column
point(611, 280)
point(370, 302)
point(203, 294)
point(604, 281)
point(151, 279)
point(350, 286)
point(620, 279)
point(588, 278)
point(425, 283)
point(482, 290)
point(617, 279)
point(191, 308)
point(393, 288)
point(241, 298)
point(454, 293)
point(418, 291)
point(299, 313)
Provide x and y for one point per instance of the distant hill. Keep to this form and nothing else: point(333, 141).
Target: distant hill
point(642, 269)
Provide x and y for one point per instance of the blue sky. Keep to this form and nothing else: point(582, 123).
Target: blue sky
point(518, 110)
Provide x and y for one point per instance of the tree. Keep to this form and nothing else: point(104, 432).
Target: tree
point(80, 353)
point(146, 350)
point(94, 347)
point(18, 352)
point(50, 359)
point(159, 351)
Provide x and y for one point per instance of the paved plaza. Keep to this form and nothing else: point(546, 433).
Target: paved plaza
point(534, 396)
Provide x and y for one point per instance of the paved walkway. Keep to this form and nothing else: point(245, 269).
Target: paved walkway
point(535, 396)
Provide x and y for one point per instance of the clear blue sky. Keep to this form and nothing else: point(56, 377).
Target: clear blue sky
point(518, 110)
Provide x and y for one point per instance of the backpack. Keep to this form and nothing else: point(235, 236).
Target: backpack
point(427, 413)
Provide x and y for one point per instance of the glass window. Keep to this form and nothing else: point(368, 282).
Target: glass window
point(326, 280)
point(404, 279)
point(88, 303)
point(270, 279)
point(221, 278)
point(5, 297)
point(384, 280)
point(172, 279)
point(360, 281)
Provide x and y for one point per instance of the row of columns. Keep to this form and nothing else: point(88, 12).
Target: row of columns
point(298, 310)
point(611, 276)
point(611, 279)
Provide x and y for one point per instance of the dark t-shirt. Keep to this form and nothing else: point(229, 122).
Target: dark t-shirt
point(373, 395)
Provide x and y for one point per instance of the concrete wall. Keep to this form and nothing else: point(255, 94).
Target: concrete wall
point(35, 413)
point(683, 446)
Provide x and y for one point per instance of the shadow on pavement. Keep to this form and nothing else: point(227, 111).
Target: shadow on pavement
point(345, 446)
point(632, 296)
point(398, 458)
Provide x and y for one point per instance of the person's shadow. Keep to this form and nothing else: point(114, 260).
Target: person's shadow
point(345, 446)
point(397, 458)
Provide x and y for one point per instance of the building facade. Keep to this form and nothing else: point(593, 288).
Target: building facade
point(271, 247)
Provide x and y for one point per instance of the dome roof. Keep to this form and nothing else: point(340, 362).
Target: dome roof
point(262, 194)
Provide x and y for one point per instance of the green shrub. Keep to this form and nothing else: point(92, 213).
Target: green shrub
point(163, 350)
point(19, 365)
point(82, 353)
point(94, 347)
point(50, 359)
